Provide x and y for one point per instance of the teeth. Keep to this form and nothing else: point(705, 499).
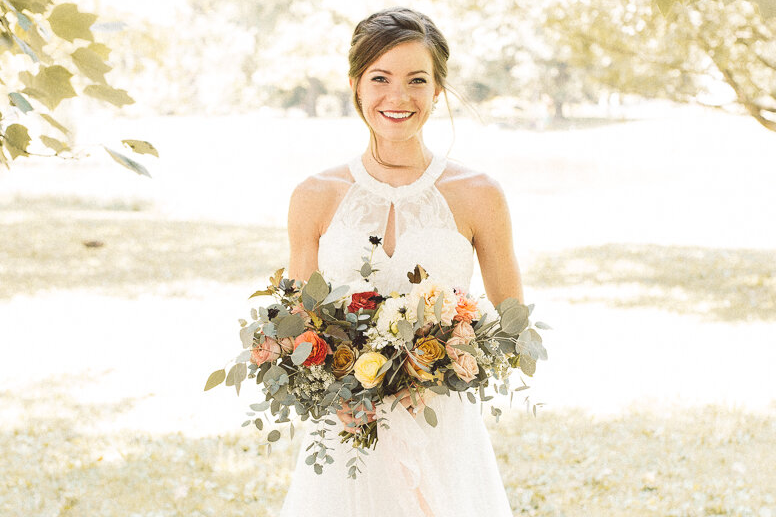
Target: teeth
point(397, 115)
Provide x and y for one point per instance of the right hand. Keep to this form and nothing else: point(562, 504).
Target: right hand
point(352, 424)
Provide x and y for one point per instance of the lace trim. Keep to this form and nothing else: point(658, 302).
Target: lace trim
point(384, 190)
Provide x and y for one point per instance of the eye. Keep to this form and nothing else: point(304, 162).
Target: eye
point(419, 80)
point(379, 79)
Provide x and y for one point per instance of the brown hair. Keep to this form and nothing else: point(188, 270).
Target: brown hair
point(382, 31)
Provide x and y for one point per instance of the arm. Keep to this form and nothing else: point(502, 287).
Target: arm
point(492, 238)
point(304, 220)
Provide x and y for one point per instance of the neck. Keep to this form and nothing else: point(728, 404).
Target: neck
point(412, 155)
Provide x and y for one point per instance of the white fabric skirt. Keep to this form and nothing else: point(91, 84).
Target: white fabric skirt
point(451, 467)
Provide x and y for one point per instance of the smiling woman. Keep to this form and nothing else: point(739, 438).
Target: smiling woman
point(424, 210)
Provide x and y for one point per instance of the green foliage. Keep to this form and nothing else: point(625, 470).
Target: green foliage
point(38, 73)
point(685, 51)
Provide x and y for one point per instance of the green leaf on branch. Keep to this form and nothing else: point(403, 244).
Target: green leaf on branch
point(109, 94)
point(51, 86)
point(26, 48)
point(141, 147)
point(101, 50)
point(90, 64)
point(129, 163)
point(53, 144)
point(216, 378)
point(20, 102)
point(56, 125)
point(17, 139)
point(69, 24)
point(33, 6)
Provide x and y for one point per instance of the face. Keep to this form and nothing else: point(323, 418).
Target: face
point(397, 92)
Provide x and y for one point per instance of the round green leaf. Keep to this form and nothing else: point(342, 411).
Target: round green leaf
point(273, 435)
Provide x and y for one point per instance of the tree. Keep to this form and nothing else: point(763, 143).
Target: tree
point(48, 54)
point(719, 53)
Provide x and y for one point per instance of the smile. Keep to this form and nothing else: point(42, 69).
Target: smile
point(397, 115)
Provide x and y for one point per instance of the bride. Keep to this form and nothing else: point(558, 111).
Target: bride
point(426, 211)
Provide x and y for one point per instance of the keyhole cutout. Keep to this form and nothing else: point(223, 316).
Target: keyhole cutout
point(389, 235)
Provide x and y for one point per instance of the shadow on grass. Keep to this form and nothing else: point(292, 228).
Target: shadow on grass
point(720, 284)
point(64, 464)
point(73, 246)
point(67, 462)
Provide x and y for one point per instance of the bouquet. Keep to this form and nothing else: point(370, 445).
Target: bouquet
point(322, 349)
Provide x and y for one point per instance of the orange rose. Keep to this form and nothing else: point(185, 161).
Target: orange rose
point(320, 347)
point(466, 309)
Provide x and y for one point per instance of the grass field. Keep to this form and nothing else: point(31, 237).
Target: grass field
point(653, 263)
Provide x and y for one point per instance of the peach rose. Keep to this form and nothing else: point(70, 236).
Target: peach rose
point(466, 309)
point(264, 352)
point(464, 331)
point(299, 309)
point(287, 345)
point(464, 364)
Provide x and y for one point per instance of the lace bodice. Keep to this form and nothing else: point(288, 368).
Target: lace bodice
point(425, 230)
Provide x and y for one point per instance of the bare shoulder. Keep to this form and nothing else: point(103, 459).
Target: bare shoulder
point(313, 198)
point(475, 198)
point(476, 186)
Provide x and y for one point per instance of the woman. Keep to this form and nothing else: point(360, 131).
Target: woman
point(427, 212)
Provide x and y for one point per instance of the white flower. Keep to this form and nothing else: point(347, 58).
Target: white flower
point(486, 308)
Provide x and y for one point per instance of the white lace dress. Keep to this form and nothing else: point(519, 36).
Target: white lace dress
point(452, 465)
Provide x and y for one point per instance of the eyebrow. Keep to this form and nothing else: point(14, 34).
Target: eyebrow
point(389, 73)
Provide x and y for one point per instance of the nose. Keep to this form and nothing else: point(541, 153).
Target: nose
point(400, 92)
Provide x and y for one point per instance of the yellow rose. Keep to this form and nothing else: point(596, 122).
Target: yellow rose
point(427, 350)
point(366, 369)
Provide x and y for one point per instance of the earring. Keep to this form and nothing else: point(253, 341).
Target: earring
point(433, 107)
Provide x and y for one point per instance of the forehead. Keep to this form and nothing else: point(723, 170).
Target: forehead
point(409, 56)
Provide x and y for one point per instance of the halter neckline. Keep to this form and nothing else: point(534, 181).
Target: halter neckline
point(429, 176)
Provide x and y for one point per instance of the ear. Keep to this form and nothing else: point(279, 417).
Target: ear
point(350, 82)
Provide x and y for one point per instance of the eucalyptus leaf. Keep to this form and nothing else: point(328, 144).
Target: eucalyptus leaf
point(438, 305)
point(301, 353)
point(366, 270)
point(216, 378)
point(290, 326)
point(430, 416)
point(405, 330)
point(514, 320)
point(471, 397)
point(336, 294)
point(542, 325)
point(273, 436)
point(316, 287)
point(247, 332)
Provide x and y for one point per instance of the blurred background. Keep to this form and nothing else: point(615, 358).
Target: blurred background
point(635, 140)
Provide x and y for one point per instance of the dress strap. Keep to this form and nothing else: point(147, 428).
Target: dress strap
point(382, 189)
